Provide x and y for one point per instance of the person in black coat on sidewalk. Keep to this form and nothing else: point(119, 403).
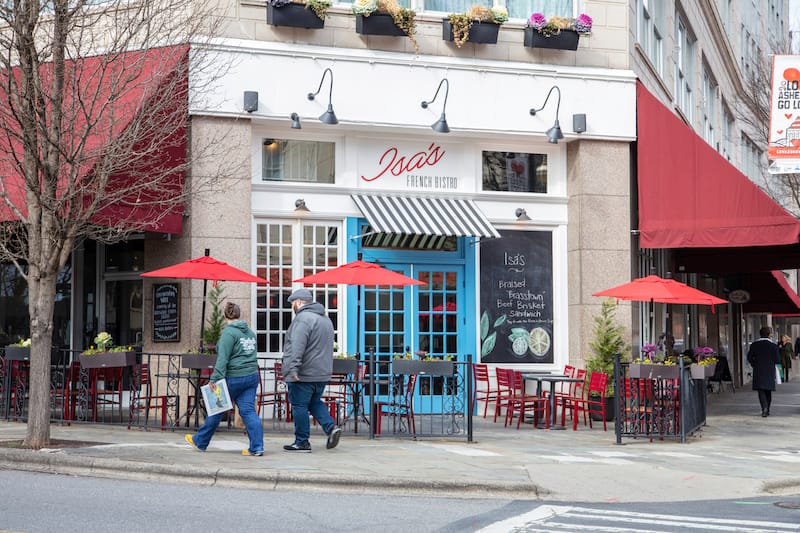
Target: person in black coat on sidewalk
point(763, 356)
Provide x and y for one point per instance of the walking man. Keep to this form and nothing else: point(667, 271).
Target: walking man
point(763, 356)
point(307, 368)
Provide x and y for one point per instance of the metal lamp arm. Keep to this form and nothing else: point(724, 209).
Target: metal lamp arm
point(330, 91)
point(558, 104)
point(425, 104)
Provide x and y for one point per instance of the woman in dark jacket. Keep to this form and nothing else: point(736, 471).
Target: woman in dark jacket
point(763, 356)
point(787, 352)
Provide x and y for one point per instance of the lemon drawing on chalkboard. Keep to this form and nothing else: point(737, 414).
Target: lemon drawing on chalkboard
point(519, 346)
point(539, 341)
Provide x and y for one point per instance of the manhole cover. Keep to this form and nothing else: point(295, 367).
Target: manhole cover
point(788, 505)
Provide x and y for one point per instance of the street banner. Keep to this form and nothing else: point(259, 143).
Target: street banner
point(784, 131)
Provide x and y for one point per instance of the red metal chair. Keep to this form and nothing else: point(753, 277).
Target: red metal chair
point(521, 403)
point(143, 398)
point(504, 390)
point(575, 392)
point(593, 403)
point(278, 397)
point(403, 408)
point(485, 391)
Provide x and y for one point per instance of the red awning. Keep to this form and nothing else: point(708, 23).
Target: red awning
point(691, 197)
point(770, 292)
point(106, 100)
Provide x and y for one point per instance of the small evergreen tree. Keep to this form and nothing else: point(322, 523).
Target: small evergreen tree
point(608, 341)
point(212, 330)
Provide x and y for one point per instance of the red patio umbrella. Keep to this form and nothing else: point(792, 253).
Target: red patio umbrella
point(662, 290)
point(205, 268)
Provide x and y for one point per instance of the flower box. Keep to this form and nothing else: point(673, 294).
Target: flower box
point(107, 359)
point(198, 360)
point(18, 353)
point(294, 15)
point(645, 371)
point(564, 40)
point(479, 33)
point(345, 366)
point(431, 368)
point(378, 24)
point(703, 371)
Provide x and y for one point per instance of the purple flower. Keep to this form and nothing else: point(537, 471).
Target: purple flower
point(583, 24)
point(537, 21)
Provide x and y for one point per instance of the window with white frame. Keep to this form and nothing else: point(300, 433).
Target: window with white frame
point(728, 129)
point(650, 24)
point(709, 107)
point(684, 67)
point(751, 159)
point(305, 161)
point(287, 250)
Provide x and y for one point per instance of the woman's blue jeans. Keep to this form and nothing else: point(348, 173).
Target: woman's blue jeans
point(243, 393)
point(305, 398)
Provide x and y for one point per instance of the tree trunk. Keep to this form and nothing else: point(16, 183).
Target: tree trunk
point(41, 294)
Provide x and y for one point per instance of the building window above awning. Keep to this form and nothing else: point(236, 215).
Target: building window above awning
point(411, 215)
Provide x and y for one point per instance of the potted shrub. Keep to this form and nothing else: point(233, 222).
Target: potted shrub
point(308, 14)
point(19, 351)
point(556, 32)
point(385, 17)
point(608, 340)
point(479, 24)
point(216, 321)
point(103, 353)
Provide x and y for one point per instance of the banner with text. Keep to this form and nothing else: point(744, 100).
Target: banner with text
point(784, 131)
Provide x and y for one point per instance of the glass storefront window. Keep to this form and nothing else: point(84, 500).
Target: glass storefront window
point(514, 172)
point(305, 161)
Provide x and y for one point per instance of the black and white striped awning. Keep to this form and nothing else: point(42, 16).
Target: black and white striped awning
point(412, 215)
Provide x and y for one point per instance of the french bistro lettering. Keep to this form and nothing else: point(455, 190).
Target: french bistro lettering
point(421, 170)
point(516, 323)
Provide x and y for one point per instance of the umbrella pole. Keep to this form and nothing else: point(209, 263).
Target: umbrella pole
point(203, 314)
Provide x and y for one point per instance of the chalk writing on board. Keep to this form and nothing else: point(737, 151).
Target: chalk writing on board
point(166, 312)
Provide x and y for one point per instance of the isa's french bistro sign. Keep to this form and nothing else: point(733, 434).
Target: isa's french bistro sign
point(425, 166)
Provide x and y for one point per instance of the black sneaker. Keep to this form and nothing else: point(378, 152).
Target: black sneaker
point(333, 437)
point(304, 447)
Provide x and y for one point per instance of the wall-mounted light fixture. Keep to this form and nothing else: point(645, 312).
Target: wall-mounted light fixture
point(250, 101)
point(300, 206)
point(441, 124)
point(295, 121)
point(521, 214)
point(554, 133)
point(328, 117)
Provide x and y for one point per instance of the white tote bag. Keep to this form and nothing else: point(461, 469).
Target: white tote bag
point(777, 376)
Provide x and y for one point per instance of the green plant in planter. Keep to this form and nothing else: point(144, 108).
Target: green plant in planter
point(319, 7)
point(608, 340)
point(216, 321)
point(404, 18)
point(462, 22)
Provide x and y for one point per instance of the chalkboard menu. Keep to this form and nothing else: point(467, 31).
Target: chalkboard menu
point(166, 312)
point(516, 303)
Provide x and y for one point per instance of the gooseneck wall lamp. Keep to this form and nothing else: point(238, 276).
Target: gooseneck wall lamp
point(554, 133)
point(441, 124)
point(328, 117)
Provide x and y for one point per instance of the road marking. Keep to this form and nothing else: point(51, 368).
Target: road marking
point(472, 452)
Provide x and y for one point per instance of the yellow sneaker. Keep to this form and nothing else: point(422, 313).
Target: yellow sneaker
point(190, 440)
point(254, 454)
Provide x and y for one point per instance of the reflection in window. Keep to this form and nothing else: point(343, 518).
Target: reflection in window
point(307, 161)
point(514, 172)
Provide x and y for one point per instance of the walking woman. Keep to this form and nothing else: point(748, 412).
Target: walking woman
point(237, 362)
point(763, 356)
point(787, 353)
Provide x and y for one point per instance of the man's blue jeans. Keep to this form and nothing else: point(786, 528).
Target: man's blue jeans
point(305, 398)
point(243, 394)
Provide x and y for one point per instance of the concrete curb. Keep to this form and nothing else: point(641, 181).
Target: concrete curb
point(55, 462)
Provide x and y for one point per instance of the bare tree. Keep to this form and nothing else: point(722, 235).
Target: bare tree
point(94, 119)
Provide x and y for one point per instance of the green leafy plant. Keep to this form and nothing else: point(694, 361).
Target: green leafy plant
point(554, 25)
point(22, 343)
point(404, 18)
point(462, 22)
point(608, 340)
point(216, 320)
point(103, 343)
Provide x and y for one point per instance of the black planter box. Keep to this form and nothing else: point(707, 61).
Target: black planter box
point(480, 33)
point(18, 353)
point(565, 40)
point(294, 15)
point(430, 368)
point(378, 24)
point(198, 360)
point(345, 366)
point(107, 359)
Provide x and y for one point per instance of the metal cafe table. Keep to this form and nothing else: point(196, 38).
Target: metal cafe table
point(552, 379)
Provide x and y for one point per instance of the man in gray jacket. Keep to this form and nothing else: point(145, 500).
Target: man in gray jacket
point(307, 367)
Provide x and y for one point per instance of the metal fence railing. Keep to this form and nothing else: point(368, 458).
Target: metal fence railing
point(161, 391)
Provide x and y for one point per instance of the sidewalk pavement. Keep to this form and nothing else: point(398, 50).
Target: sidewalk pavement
point(738, 454)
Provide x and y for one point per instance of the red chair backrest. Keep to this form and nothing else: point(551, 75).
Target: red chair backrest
point(576, 389)
point(598, 382)
point(504, 379)
point(481, 372)
point(410, 386)
point(570, 370)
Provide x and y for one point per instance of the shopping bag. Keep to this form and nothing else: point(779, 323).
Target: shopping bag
point(778, 375)
point(216, 397)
